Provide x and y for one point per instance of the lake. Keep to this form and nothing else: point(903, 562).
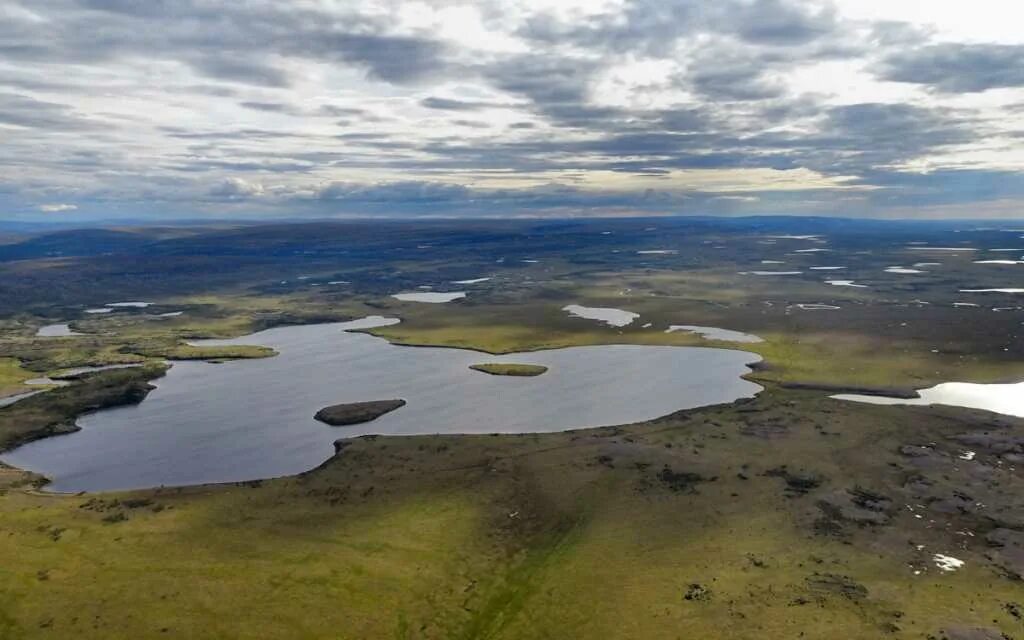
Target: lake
point(62, 330)
point(250, 419)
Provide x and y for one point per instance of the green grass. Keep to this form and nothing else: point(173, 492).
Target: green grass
point(12, 375)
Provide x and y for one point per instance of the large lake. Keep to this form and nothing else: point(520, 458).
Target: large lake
point(250, 419)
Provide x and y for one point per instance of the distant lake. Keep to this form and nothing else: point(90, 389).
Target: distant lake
point(250, 419)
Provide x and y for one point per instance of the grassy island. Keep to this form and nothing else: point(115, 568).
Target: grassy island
point(522, 370)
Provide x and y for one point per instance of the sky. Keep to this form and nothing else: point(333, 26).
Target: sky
point(185, 109)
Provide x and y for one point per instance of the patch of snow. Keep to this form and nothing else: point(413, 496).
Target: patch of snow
point(947, 563)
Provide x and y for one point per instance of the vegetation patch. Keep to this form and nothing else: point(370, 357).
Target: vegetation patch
point(498, 369)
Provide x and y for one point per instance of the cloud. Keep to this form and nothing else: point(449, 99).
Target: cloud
point(654, 27)
point(241, 70)
point(236, 189)
point(25, 111)
point(776, 22)
point(452, 104)
point(958, 68)
point(57, 208)
point(394, 107)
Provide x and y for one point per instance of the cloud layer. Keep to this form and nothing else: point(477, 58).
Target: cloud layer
point(187, 108)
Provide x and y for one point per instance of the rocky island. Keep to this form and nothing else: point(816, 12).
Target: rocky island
point(340, 415)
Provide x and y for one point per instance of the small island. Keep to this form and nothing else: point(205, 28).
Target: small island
point(340, 415)
point(497, 369)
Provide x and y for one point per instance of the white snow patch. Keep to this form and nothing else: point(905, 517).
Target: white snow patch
point(947, 563)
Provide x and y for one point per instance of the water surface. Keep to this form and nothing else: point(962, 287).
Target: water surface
point(433, 297)
point(62, 330)
point(998, 398)
point(608, 315)
point(251, 419)
point(715, 333)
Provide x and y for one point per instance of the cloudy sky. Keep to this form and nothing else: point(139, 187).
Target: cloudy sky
point(312, 108)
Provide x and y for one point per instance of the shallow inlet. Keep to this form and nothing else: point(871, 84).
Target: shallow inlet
point(1007, 399)
point(252, 419)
